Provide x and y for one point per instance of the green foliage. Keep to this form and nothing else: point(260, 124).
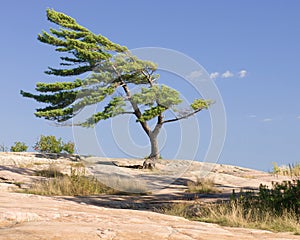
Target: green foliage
point(281, 197)
point(49, 144)
point(19, 147)
point(69, 147)
point(112, 69)
point(162, 95)
point(201, 104)
point(114, 107)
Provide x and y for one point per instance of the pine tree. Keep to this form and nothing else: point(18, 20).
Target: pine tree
point(112, 69)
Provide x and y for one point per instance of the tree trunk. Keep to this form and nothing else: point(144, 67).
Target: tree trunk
point(149, 163)
point(154, 147)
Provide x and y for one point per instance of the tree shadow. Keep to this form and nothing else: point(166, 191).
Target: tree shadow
point(151, 202)
point(18, 170)
point(55, 156)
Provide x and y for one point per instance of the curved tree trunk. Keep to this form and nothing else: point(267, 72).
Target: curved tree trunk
point(150, 162)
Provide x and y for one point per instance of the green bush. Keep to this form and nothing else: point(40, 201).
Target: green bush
point(49, 144)
point(69, 147)
point(280, 198)
point(19, 147)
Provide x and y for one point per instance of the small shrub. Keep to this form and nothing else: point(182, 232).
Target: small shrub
point(202, 185)
point(49, 144)
point(19, 147)
point(69, 147)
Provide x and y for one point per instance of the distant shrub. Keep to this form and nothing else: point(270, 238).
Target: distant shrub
point(49, 144)
point(19, 147)
point(69, 147)
point(3, 148)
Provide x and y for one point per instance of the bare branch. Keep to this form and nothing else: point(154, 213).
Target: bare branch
point(182, 117)
point(158, 124)
point(137, 111)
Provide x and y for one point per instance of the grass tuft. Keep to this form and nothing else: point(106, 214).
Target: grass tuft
point(292, 170)
point(202, 185)
point(79, 183)
point(75, 184)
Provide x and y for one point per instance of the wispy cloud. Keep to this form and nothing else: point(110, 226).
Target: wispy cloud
point(298, 117)
point(227, 74)
point(214, 75)
point(242, 73)
point(194, 75)
point(267, 120)
point(252, 116)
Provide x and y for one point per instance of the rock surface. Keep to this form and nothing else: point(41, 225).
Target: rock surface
point(29, 217)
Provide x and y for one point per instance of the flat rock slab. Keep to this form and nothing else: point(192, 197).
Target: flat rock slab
point(29, 217)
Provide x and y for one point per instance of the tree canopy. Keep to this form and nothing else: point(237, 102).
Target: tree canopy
point(111, 69)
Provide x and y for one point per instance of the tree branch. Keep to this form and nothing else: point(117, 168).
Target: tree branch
point(182, 117)
point(137, 111)
point(158, 125)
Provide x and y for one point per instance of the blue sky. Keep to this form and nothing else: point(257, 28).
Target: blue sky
point(260, 38)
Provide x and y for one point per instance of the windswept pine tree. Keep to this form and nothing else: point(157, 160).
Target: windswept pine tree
point(112, 69)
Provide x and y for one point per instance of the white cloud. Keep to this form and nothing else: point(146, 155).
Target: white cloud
point(252, 116)
point(267, 120)
point(227, 74)
point(194, 75)
point(298, 117)
point(214, 75)
point(242, 73)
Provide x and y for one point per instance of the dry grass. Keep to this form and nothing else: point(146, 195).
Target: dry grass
point(75, 184)
point(202, 185)
point(233, 214)
point(292, 170)
point(79, 183)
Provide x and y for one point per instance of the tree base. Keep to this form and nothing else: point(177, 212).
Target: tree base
point(149, 163)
